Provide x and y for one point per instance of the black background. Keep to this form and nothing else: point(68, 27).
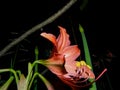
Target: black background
point(100, 20)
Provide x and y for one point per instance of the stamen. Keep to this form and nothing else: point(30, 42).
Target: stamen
point(77, 64)
point(101, 74)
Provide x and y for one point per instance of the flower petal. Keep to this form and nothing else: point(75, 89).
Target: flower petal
point(56, 64)
point(63, 39)
point(87, 72)
point(71, 53)
point(50, 37)
point(70, 67)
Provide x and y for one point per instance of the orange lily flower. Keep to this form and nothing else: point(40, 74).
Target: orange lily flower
point(63, 60)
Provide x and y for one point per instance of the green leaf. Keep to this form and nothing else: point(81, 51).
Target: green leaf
point(7, 83)
point(87, 53)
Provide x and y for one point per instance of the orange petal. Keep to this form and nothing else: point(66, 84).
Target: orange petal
point(87, 71)
point(70, 67)
point(71, 53)
point(56, 64)
point(63, 39)
point(50, 37)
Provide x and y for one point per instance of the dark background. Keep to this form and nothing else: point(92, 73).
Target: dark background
point(99, 18)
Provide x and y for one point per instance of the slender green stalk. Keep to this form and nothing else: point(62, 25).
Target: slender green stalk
point(13, 60)
point(87, 53)
point(46, 82)
point(36, 66)
point(10, 70)
point(36, 58)
point(30, 84)
point(30, 70)
point(19, 73)
point(7, 83)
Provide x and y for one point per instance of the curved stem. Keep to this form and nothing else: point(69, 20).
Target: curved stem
point(32, 81)
point(10, 70)
point(46, 82)
point(7, 83)
point(29, 76)
point(37, 27)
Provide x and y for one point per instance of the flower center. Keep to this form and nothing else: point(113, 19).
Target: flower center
point(80, 74)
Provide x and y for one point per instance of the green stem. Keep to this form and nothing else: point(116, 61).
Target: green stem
point(36, 58)
point(7, 83)
point(31, 81)
point(46, 82)
point(13, 60)
point(10, 70)
point(87, 53)
point(36, 66)
point(30, 70)
point(18, 72)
